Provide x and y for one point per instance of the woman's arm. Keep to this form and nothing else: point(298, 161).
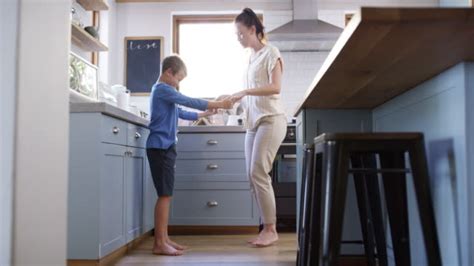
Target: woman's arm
point(273, 88)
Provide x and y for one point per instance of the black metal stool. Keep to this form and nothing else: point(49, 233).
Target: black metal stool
point(337, 152)
point(310, 205)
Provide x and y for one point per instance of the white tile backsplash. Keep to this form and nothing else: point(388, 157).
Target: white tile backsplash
point(298, 72)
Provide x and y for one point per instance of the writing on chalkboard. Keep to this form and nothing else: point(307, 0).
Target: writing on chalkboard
point(143, 57)
point(135, 46)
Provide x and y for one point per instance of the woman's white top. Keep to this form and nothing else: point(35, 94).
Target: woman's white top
point(258, 74)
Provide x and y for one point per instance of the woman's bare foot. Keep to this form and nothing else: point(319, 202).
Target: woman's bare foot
point(175, 245)
point(166, 249)
point(266, 238)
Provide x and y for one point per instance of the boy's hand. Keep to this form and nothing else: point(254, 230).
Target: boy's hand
point(227, 103)
point(208, 113)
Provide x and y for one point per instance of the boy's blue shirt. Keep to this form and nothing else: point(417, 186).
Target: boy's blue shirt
point(165, 112)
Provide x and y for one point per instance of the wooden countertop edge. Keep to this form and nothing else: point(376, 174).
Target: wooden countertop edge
point(383, 15)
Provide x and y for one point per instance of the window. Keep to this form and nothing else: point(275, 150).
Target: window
point(214, 58)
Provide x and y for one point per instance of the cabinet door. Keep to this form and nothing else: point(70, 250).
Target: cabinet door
point(112, 181)
point(149, 199)
point(134, 171)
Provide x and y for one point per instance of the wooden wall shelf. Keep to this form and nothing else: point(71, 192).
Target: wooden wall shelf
point(94, 5)
point(383, 52)
point(84, 40)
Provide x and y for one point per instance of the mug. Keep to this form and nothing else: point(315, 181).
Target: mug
point(233, 120)
point(123, 100)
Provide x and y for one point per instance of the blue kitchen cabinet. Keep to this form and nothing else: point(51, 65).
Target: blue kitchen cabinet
point(111, 196)
point(134, 179)
point(211, 185)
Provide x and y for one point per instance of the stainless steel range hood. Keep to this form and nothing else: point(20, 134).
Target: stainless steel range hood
point(305, 31)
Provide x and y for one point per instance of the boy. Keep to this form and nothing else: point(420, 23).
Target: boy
point(161, 142)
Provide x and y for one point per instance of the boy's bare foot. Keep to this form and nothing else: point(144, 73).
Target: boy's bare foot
point(252, 240)
point(175, 245)
point(265, 239)
point(167, 250)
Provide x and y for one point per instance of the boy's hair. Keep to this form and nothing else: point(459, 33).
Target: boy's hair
point(175, 63)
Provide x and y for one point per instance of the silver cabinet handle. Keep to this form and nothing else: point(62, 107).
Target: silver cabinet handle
point(126, 153)
point(116, 130)
point(137, 135)
point(212, 203)
point(212, 142)
point(212, 166)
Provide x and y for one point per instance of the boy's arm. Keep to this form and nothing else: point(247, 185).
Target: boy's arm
point(174, 96)
point(186, 115)
point(207, 113)
point(171, 95)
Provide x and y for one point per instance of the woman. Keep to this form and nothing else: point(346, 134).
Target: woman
point(264, 116)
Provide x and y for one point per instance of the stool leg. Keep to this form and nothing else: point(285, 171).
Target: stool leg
point(365, 215)
point(301, 255)
point(336, 164)
point(375, 203)
point(423, 195)
point(315, 205)
point(396, 198)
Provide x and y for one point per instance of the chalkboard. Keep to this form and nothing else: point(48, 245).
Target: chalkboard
point(143, 57)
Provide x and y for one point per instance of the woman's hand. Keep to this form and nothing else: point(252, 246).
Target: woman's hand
point(222, 97)
point(225, 103)
point(238, 96)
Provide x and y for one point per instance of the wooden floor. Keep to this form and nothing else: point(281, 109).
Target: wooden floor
point(217, 250)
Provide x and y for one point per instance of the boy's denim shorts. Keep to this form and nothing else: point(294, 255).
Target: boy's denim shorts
point(162, 164)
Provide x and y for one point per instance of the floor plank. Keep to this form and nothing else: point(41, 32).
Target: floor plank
point(216, 250)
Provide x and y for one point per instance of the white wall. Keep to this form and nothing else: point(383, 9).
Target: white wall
point(108, 32)
point(299, 70)
point(8, 35)
point(42, 122)
point(154, 19)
